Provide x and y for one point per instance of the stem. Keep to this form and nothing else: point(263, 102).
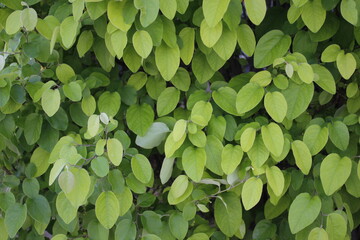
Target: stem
point(10, 53)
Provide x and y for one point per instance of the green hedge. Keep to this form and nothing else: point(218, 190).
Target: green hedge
point(179, 119)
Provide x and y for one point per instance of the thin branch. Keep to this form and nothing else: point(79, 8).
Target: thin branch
point(10, 53)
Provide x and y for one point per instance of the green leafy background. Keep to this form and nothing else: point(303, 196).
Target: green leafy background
point(179, 119)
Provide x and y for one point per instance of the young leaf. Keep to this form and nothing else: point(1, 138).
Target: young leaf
point(142, 43)
point(275, 179)
point(167, 101)
point(276, 105)
point(346, 64)
point(167, 60)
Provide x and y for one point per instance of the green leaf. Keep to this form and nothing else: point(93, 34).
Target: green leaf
point(125, 199)
point(65, 73)
point(29, 18)
point(246, 39)
point(251, 192)
point(272, 45)
point(141, 168)
point(181, 79)
point(298, 98)
point(107, 209)
point(68, 31)
point(178, 225)
point(228, 213)
point(168, 8)
point(73, 91)
point(15, 217)
point(115, 151)
point(171, 145)
point(275, 180)
point(142, 43)
point(179, 186)
point(346, 64)
point(32, 128)
point(93, 125)
point(314, 15)
point(316, 137)
point(248, 97)
point(78, 194)
point(167, 60)
point(210, 35)
point(226, 44)
point(66, 181)
point(13, 22)
point(59, 237)
point(263, 78)
point(84, 43)
point(179, 129)
point(303, 211)
point(318, 234)
point(109, 103)
point(116, 13)
point(201, 68)
point(125, 230)
point(276, 105)
point(350, 12)
point(167, 101)
point(258, 153)
point(336, 226)
point(65, 209)
point(148, 11)
point(256, 10)
point(154, 136)
point(214, 11)
point(305, 73)
point(193, 161)
point(139, 118)
point(225, 98)
point(39, 209)
point(302, 156)
point(324, 78)
point(330, 53)
point(50, 101)
point(166, 170)
point(231, 157)
point(339, 135)
point(273, 138)
point(247, 138)
point(334, 171)
point(201, 113)
point(187, 35)
point(100, 166)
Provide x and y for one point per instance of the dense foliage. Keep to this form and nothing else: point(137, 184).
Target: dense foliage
point(179, 119)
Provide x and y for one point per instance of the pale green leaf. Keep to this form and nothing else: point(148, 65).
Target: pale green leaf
point(272, 45)
point(303, 211)
point(214, 11)
point(115, 151)
point(248, 97)
point(346, 64)
point(107, 209)
point(302, 156)
point(167, 60)
point(276, 105)
point(141, 168)
point(334, 171)
point(251, 192)
point(231, 157)
point(256, 10)
point(193, 161)
point(142, 43)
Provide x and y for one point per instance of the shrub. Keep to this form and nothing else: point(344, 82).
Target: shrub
point(174, 119)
